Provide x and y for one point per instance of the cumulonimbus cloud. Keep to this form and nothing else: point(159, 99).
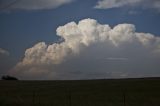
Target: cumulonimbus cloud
point(106, 4)
point(32, 4)
point(121, 40)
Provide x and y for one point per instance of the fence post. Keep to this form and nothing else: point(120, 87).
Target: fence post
point(124, 98)
point(70, 98)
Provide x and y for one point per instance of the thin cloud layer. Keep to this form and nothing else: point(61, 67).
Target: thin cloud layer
point(88, 50)
point(32, 4)
point(106, 4)
point(4, 52)
point(6, 61)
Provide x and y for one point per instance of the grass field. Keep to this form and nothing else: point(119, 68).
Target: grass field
point(120, 92)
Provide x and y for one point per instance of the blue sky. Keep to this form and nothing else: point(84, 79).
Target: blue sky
point(21, 29)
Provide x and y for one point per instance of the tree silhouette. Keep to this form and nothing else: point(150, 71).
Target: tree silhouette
point(7, 77)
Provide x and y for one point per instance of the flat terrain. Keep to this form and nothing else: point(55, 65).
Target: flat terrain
point(118, 92)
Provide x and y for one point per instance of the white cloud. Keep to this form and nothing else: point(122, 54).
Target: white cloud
point(4, 52)
point(117, 58)
point(32, 4)
point(76, 57)
point(133, 12)
point(106, 4)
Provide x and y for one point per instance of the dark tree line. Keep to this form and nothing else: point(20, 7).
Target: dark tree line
point(7, 77)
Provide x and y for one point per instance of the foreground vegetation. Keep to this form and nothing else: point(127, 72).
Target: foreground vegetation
point(120, 92)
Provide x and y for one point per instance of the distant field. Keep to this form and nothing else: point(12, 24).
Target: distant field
point(120, 92)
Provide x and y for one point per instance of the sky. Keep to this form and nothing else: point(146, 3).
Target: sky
point(79, 39)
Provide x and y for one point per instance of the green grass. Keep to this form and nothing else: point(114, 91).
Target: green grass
point(120, 92)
